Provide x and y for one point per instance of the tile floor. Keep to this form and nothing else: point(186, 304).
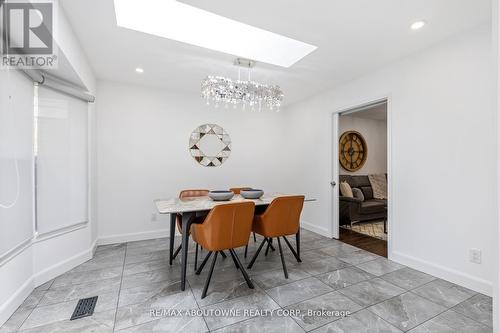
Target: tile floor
point(134, 278)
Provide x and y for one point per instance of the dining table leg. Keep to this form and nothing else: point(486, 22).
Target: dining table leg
point(173, 217)
point(186, 224)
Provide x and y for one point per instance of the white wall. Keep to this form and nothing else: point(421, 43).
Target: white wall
point(142, 155)
point(442, 123)
point(375, 134)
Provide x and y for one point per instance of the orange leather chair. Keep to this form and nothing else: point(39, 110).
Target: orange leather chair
point(237, 190)
point(281, 218)
point(198, 219)
point(226, 227)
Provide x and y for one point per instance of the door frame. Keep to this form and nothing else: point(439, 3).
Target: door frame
point(335, 169)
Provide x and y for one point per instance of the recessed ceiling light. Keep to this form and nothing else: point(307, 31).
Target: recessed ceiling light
point(184, 23)
point(418, 25)
point(139, 70)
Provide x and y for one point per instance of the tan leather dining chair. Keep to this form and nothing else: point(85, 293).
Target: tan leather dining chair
point(185, 194)
point(237, 190)
point(226, 227)
point(280, 219)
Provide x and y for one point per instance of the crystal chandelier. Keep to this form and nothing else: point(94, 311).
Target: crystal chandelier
point(239, 92)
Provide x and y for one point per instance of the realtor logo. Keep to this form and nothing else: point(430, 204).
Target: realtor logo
point(27, 39)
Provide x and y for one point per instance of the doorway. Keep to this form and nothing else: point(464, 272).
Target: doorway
point(361, 155)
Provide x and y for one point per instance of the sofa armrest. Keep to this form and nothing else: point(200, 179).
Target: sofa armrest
point(348, 199)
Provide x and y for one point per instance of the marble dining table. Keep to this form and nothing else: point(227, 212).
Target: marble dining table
point(188, 208)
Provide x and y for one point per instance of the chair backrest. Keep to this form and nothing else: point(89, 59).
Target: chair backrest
point(227, 226)
point(282, 216)
point(237, 190)
point(193, 193)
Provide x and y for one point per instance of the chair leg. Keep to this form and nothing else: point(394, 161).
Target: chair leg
point(256, 254)
point(282, 259)
point(177, 251)
point(291, 249)
point(223, 254)
point(254, 238)
point(203, 263)
point(246, 250)
point(196, 258)
point(297, 242)
point(207, 282)
point(245, 274)
point(269, 241)
point(234, 259)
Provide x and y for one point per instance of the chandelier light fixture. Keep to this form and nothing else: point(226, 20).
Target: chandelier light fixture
point(218, 89)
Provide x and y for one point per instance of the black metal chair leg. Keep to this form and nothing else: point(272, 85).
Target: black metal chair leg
point(256, 254)
point(282, 258)
point(297, 241)
point(207, 282)
point(245, 274)
point(254, 238)
point(269, 240)
point(203, 263)
point(234, 259)
point(177, 251)
point(291, 249)
point(196, 258)
point(223, 254)
point(246, 250)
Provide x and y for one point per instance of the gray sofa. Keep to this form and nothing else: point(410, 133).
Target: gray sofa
point(354, 210)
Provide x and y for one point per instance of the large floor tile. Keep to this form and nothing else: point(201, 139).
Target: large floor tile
point(344, 277)
point(380, 266)
point(361, 322)
point(48, 314)
point(322, 266)
point(135, 314)
point(70, 278)
point(33, 299)
point(298, 291)
point(221, 291)
point(372, 291)
point(77, 291)
point(171, 325)
point(101, 322)
point(451, 322)
point(275, 278)
point(445, 293)
point(238, 309)
point(144, 257)
point(323, 309)
point(148, 293)
point(148, 277)
point(16, 320)
point(269, 324)
point(407, 310)
point(408, 278)
point(479, 308)
point(357, 257)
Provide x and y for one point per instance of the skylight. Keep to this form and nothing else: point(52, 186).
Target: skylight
point(184, 23)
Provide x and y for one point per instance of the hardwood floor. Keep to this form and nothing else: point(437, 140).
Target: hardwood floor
point(367, 243)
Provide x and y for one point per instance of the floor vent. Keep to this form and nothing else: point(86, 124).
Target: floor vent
point(84, 308)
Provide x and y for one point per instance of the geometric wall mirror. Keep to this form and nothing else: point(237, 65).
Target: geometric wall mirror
point(210, 145)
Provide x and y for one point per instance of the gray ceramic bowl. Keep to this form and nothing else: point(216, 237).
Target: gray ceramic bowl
point(221, 195)
point(251, 194)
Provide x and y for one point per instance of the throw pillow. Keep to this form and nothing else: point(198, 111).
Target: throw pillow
point(358, 194)
point(345, 189)
point(379, 186)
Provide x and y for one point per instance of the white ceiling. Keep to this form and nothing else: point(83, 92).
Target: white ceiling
point(353, 38)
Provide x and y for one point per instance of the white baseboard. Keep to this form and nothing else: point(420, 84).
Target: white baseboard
point(62, 267)
point(314, 228)
point(445, 273)
point(11, 305)
point(137, 236)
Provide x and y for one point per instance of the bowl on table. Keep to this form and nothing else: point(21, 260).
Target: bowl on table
point(251, 193)
point(220, 195)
